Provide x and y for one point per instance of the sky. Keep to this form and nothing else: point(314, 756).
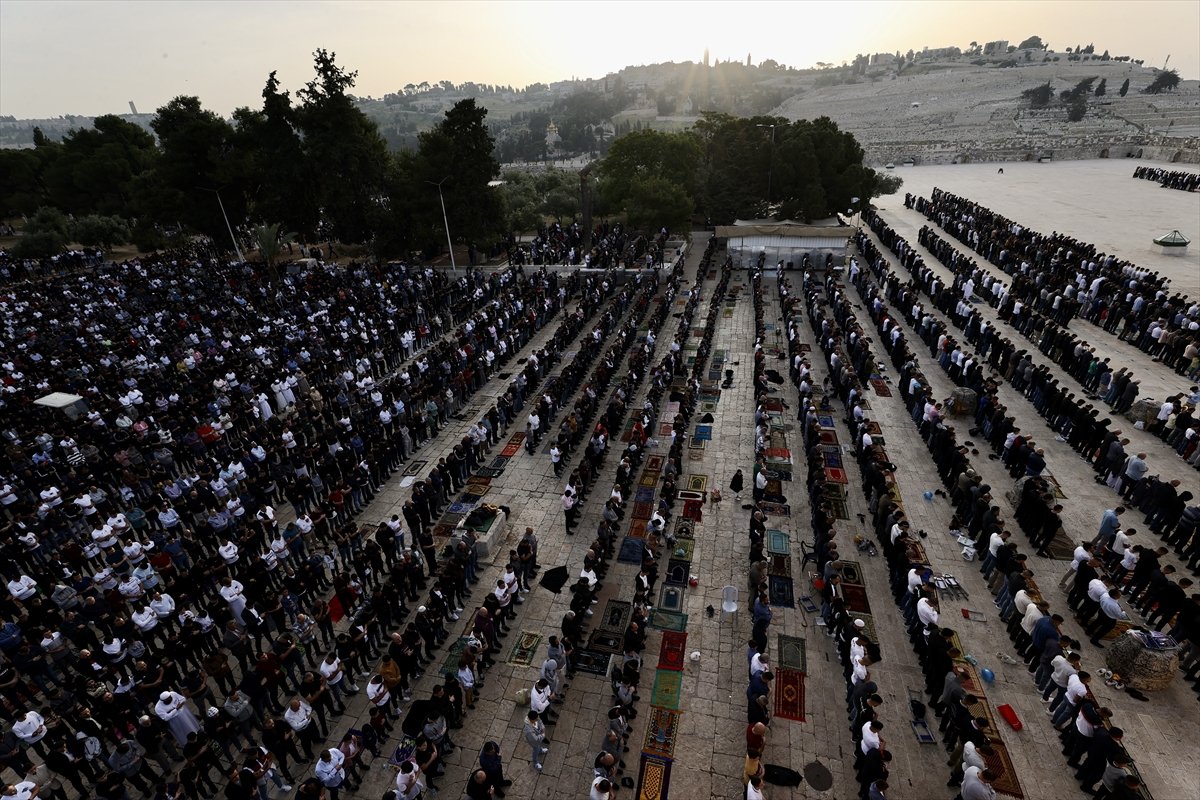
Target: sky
point(93, 57)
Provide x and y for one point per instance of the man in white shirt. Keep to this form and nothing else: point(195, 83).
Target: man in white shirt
point(30, 728)
point(22, 588)
point(299, 717)
point(330, 772)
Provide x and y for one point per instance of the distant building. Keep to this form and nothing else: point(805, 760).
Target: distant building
point(881, 59)
point(706, 56)
point(940, 52)
point(996, 48)
point(553, 140)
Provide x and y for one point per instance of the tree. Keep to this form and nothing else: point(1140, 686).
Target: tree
point(95, 230)
point(46, 234)
point(1164, 81)
point(1039, 95)
point(198, 160)
point(93, 170)
point(654, 201)
point(270, 244)
point(1101, 88)
point(346, 157)
point(1077, 108)
point(1033, 43)
point(674, 157)
point(887, 184)
point(1124, 88)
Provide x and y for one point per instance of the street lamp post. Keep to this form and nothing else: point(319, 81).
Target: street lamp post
point(228, 227)
point(445, 221)
point(770, 158)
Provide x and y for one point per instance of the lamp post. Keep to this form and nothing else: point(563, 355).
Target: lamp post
point(445, 221)
point(770, 158)
point(228, 227)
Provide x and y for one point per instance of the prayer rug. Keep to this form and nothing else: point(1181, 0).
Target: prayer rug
point(654, 775)
point(695, 455)
point(414, 467)
point(683, 550)
point(592, 662)
point(778, 452)
point(487, 473)
point(804, 348)
point(453, 654)
point(881, 388)
point(670, 598)
point(832, 459)
point(780, 566)
point(829, 438)
point(727, 313)
point(792, 653)
point(627, 433)
point(825, 421)
point(648, 479)
point(479, 491)
point(704, 432)
point(834, 491)
point(668, 686)
point(1000, 764)
point(856, 598)
point(662, 726)
point(873, 428)
point(479, 479)
point(772, 404)
point(637, 528)
point(697, 483)
point(514, 445)
point(689, 495)
point(839, 509)
point(616, 616)
point(685, 529)
point(774, 486)
point(696, 444)
point(1058, 492)
point(606, 642)
point(708, 407)
point(664, 429)
point(836, 474)
point(665, 620)
point(500, 462)
point(631, 550)
point(777, 509)
point(440, 530)
point(915, 553)
point(655, 463)
point(677, 572)
point(778, 542)
point(780, 591)
point(789, 694)
point(642, 510)
point(644, 494)
point(865, 403)
point(851, 572)
point(452, 519)
point(525, 649)
point(673, 651)
point(461, 507)
point(693, 510)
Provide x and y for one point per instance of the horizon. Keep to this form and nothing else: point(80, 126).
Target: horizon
point(223, 52)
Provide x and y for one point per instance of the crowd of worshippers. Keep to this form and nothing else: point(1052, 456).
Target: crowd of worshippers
point(612, 246)
point(1055, 278)
point(1169, 178)
point(1072, 417)
point(1035, 631)
point(144, 555)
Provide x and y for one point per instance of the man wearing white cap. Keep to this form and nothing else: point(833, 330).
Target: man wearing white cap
point(172, 709)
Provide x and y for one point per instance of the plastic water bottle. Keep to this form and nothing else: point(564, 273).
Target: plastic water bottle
point(970, 659)
point(1006, 658)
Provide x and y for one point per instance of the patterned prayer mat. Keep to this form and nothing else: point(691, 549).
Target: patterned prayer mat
point(414, 467)
point(677, 572)
point(780, 591)
point(685, 529)
point(1058, 492)
point(856, 598)
point(642, 510)
point(644, 494)
point(606, 642)
point(668, 686)
point(616, 616)
point(453, 654)
point(829, 438)
point(514, 445)
point(696, 444)
point(479, 479)
point(488, 473)
point(637, 528)
point(654, 775)
point(778, 542)
point(525, 649)
point(792, 653)
point(789, 694)
point(826, 421)
point(851, 572)
point(684, 550)
point(836, 474)
point(648, 479)
point(662, 726)
point(693, 510)
point(881, 388)
point(664, 429)
point(631, 550)
point(673, 651)
point(654, 463)
point(839, 509)
point(780, 565)
point(704, 432)
point(695, 455)
point(873, 428)
point(1000, 764)
point(777, 509)
point(500, 462)
point(868, 626)
point(665, 620)
point(670, 598)
point(697, 483)
point(592, 662)
point(832, 459)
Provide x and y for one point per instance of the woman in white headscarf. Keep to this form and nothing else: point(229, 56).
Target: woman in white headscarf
point(172, 709)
